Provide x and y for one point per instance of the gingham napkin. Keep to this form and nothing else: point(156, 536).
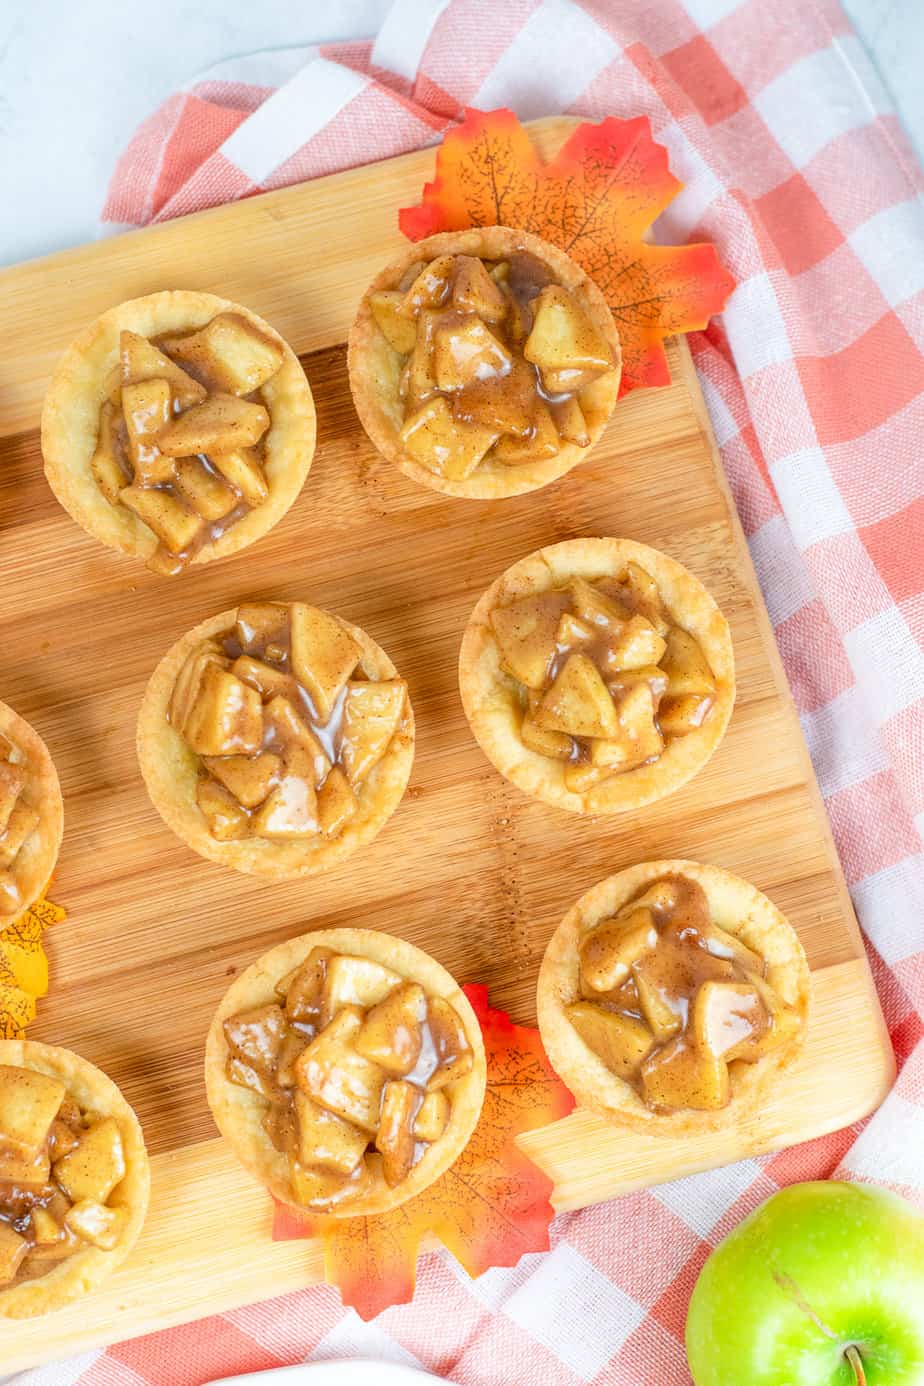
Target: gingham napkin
point(796, 167)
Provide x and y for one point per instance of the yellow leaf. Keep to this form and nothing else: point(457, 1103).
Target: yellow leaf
point(17, 1009)
point(24, 966)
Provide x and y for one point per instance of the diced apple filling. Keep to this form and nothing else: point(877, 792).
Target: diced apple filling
point(18, 821)
point(13, 1251)
point(178, 444)
point(443, 444)
point(287, 737)
point(355, 1065)
point(621, 1041)
point(141, 361)
point(391, 1034)
point(96, 1164)
point(395, 1136)
point(324, 655)
point(493, 358)
point(337, 802)
point(229, 354)
point(607, 678)
point(29, 1103)
point(668, 999)
point(334, 1074)
point(59, 1167)
point(147, 409)
point(371, 714)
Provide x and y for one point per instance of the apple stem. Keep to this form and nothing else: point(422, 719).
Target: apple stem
point(855, 1360)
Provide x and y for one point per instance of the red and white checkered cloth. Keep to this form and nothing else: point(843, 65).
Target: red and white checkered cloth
point(796, 167)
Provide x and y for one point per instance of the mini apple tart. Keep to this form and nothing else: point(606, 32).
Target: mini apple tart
point(347, 1070)
point(276, 738)
point(178, 428)
point(671, 996)
point(484, 363)
point(597, 675)
point(31, 816)
point(74, 1178)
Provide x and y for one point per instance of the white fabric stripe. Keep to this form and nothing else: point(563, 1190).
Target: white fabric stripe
point(566, 1290)
point(291, 116)
point(891, 1149)
point(890, 906)
point(551, 62)
point(783, 577)
point(350, 1337)
point(270, 68)
point(56, 1373)
point(843, 742)
point(405, 34)
point(702, 1199)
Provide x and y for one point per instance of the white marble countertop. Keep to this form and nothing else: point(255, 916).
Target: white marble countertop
point(78, 76)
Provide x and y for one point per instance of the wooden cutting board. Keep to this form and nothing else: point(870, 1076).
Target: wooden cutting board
point(468, 868)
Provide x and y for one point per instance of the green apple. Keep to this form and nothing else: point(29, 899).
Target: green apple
point(823, 1285)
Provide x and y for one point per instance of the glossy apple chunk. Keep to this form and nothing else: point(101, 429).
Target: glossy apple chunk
point(397, 328)
point(526, 631)
point(392, 1031)
point(621, 1041)
point(680, 1075)
point(371, 715)
point(220, 423)
point(324, 655)
point(578, 701)
point(563, 337)
point(609, 951)
point(242, 469)
point(141, 360)
point(95, 1166)
point(203, 490)
point(109, 464)
point(395, 1137)
point(29, 1103)
point(175, 525)
point(229, 354)
point(335, 1075)
point(226, 717)
point(326, 1139)
point(337, 803)
point(441, 443)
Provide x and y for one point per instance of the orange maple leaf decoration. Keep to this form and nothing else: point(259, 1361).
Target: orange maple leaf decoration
point(596, 200)
point(24, 966)
point(489, 1209)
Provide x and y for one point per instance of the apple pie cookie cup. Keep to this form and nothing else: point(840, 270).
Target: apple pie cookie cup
point(75, 1178)
point(225, 387)
point(474, 297)
point(31, 815)
point(597, 675)
point(304, 784)
point(616, 1014)
point(362, 1138)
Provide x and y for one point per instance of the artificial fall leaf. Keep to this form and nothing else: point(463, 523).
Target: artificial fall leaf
point(596, 200)
point(24, 966)
point(489, 1209)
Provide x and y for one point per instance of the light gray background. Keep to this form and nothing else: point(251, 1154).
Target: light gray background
point(78, 76)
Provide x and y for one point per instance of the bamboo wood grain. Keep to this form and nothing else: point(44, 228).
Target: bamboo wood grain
point(467, 868)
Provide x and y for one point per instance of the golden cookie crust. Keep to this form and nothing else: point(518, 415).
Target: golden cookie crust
point(70, 423)
point(170, 771)
point(374, 365)
point(740, 909)
point(490, 699)
point(239, 1113)
point(35, 860)
point(84, 1270)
